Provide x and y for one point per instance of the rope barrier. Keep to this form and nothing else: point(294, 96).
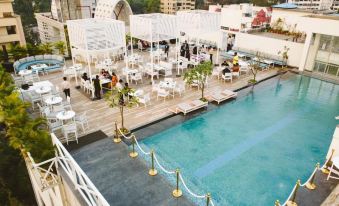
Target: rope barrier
point(188, 190)
point(309, 183)
point(154, 157)
point(161, 167)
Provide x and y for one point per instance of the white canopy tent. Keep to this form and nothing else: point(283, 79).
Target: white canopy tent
point(95, 37)
point(200, 25)
point(153, 28)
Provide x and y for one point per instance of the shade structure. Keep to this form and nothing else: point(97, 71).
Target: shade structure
point(95, 37)
point(285, 6)
point(200, 25)
point(154, 27)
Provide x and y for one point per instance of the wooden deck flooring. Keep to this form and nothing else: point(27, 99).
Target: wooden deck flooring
point(102, 117)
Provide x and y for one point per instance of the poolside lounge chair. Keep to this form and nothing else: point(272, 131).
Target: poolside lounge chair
point(222, 96)
point(187, 107)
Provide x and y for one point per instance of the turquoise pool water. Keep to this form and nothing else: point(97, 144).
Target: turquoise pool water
point(251, 151)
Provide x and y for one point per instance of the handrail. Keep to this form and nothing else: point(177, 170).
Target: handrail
point(82, 183)
point(132, 136)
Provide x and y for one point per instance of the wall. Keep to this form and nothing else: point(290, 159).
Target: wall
point(270, 46)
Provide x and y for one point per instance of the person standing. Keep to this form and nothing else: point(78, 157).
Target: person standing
point(114, 80)
point(66, 87)
point(235, 59)
point(229, 43)
point(97, 87)
point(210, 51)
point(166, 50)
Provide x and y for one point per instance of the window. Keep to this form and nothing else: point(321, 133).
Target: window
point(325, 41)
point(8, 14)
point(11, 29)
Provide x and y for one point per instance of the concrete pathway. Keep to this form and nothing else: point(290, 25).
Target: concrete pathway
point(122, 180)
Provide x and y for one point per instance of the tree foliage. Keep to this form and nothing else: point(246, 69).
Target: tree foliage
point(19, 132)
point(255, 66)
point(121, 98)
point(60, 46)
point(17, 52)
point(198, 75)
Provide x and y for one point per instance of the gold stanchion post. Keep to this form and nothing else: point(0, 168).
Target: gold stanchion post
point(177, 193)
point(328, 164)
point(208, 199)
point(310, 185)
point(292, 201)
point(152, 171)
point(116, 138)
point(277, 203)
point(133, 154)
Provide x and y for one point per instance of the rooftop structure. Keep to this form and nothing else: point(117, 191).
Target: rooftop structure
point(11, 31)
point(114, 9)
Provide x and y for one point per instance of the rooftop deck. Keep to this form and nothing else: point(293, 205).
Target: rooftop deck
point(101, 117)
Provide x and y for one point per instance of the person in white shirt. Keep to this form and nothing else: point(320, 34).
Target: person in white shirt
point(66, 87)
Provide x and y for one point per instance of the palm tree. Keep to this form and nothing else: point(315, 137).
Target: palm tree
point(17, 52)
point(60, 46)
point(33, 50)
point(118, 98)
point(199, 75)
point(22, 131)
point(46, 48)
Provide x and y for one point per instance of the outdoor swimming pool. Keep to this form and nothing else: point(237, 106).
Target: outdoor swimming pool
point(251, 151)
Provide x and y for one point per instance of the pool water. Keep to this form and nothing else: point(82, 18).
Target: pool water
point(251, 151)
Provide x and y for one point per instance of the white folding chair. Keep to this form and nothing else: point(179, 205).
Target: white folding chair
point(82, 120)
point(69, 130)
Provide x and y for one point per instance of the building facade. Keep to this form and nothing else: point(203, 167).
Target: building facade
point(315, 51)
point(316, 4)
point(172, 6)
point(11, 31)
point(52, 25)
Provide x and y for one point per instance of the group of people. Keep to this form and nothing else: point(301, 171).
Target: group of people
point(97, 83)
point(185, 51)
point(235, 65)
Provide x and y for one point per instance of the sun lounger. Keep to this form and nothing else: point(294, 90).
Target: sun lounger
point(187, 107)
point(222, 96)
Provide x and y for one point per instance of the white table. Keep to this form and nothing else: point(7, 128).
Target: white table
point(39, 67)
point(53, 100)
point(126, 71)
point(65, 115)
point(43, 89)
point(167, 85)
point(25, 72)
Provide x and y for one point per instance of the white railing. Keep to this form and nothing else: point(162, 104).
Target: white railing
point(82, 183)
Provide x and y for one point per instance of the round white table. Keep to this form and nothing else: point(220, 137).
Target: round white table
point(65, 115)
point(43, 90)
point(53, 100)
point(25, 72)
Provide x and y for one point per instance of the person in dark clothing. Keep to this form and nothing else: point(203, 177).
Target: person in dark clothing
point(225, 63)
point(226, 70)
point(97, 87)
point(84, 76)
point(182, 51)
point(195, 50)
point(166, 50)
point(188, 55)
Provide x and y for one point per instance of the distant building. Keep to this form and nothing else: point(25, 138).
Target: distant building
point(172, 6)
point(52, 25)
point(10, 26)
point(316, 4)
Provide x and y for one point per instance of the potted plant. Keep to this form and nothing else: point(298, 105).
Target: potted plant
point(198, 75)
point(121, 98)
point(284, 56)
